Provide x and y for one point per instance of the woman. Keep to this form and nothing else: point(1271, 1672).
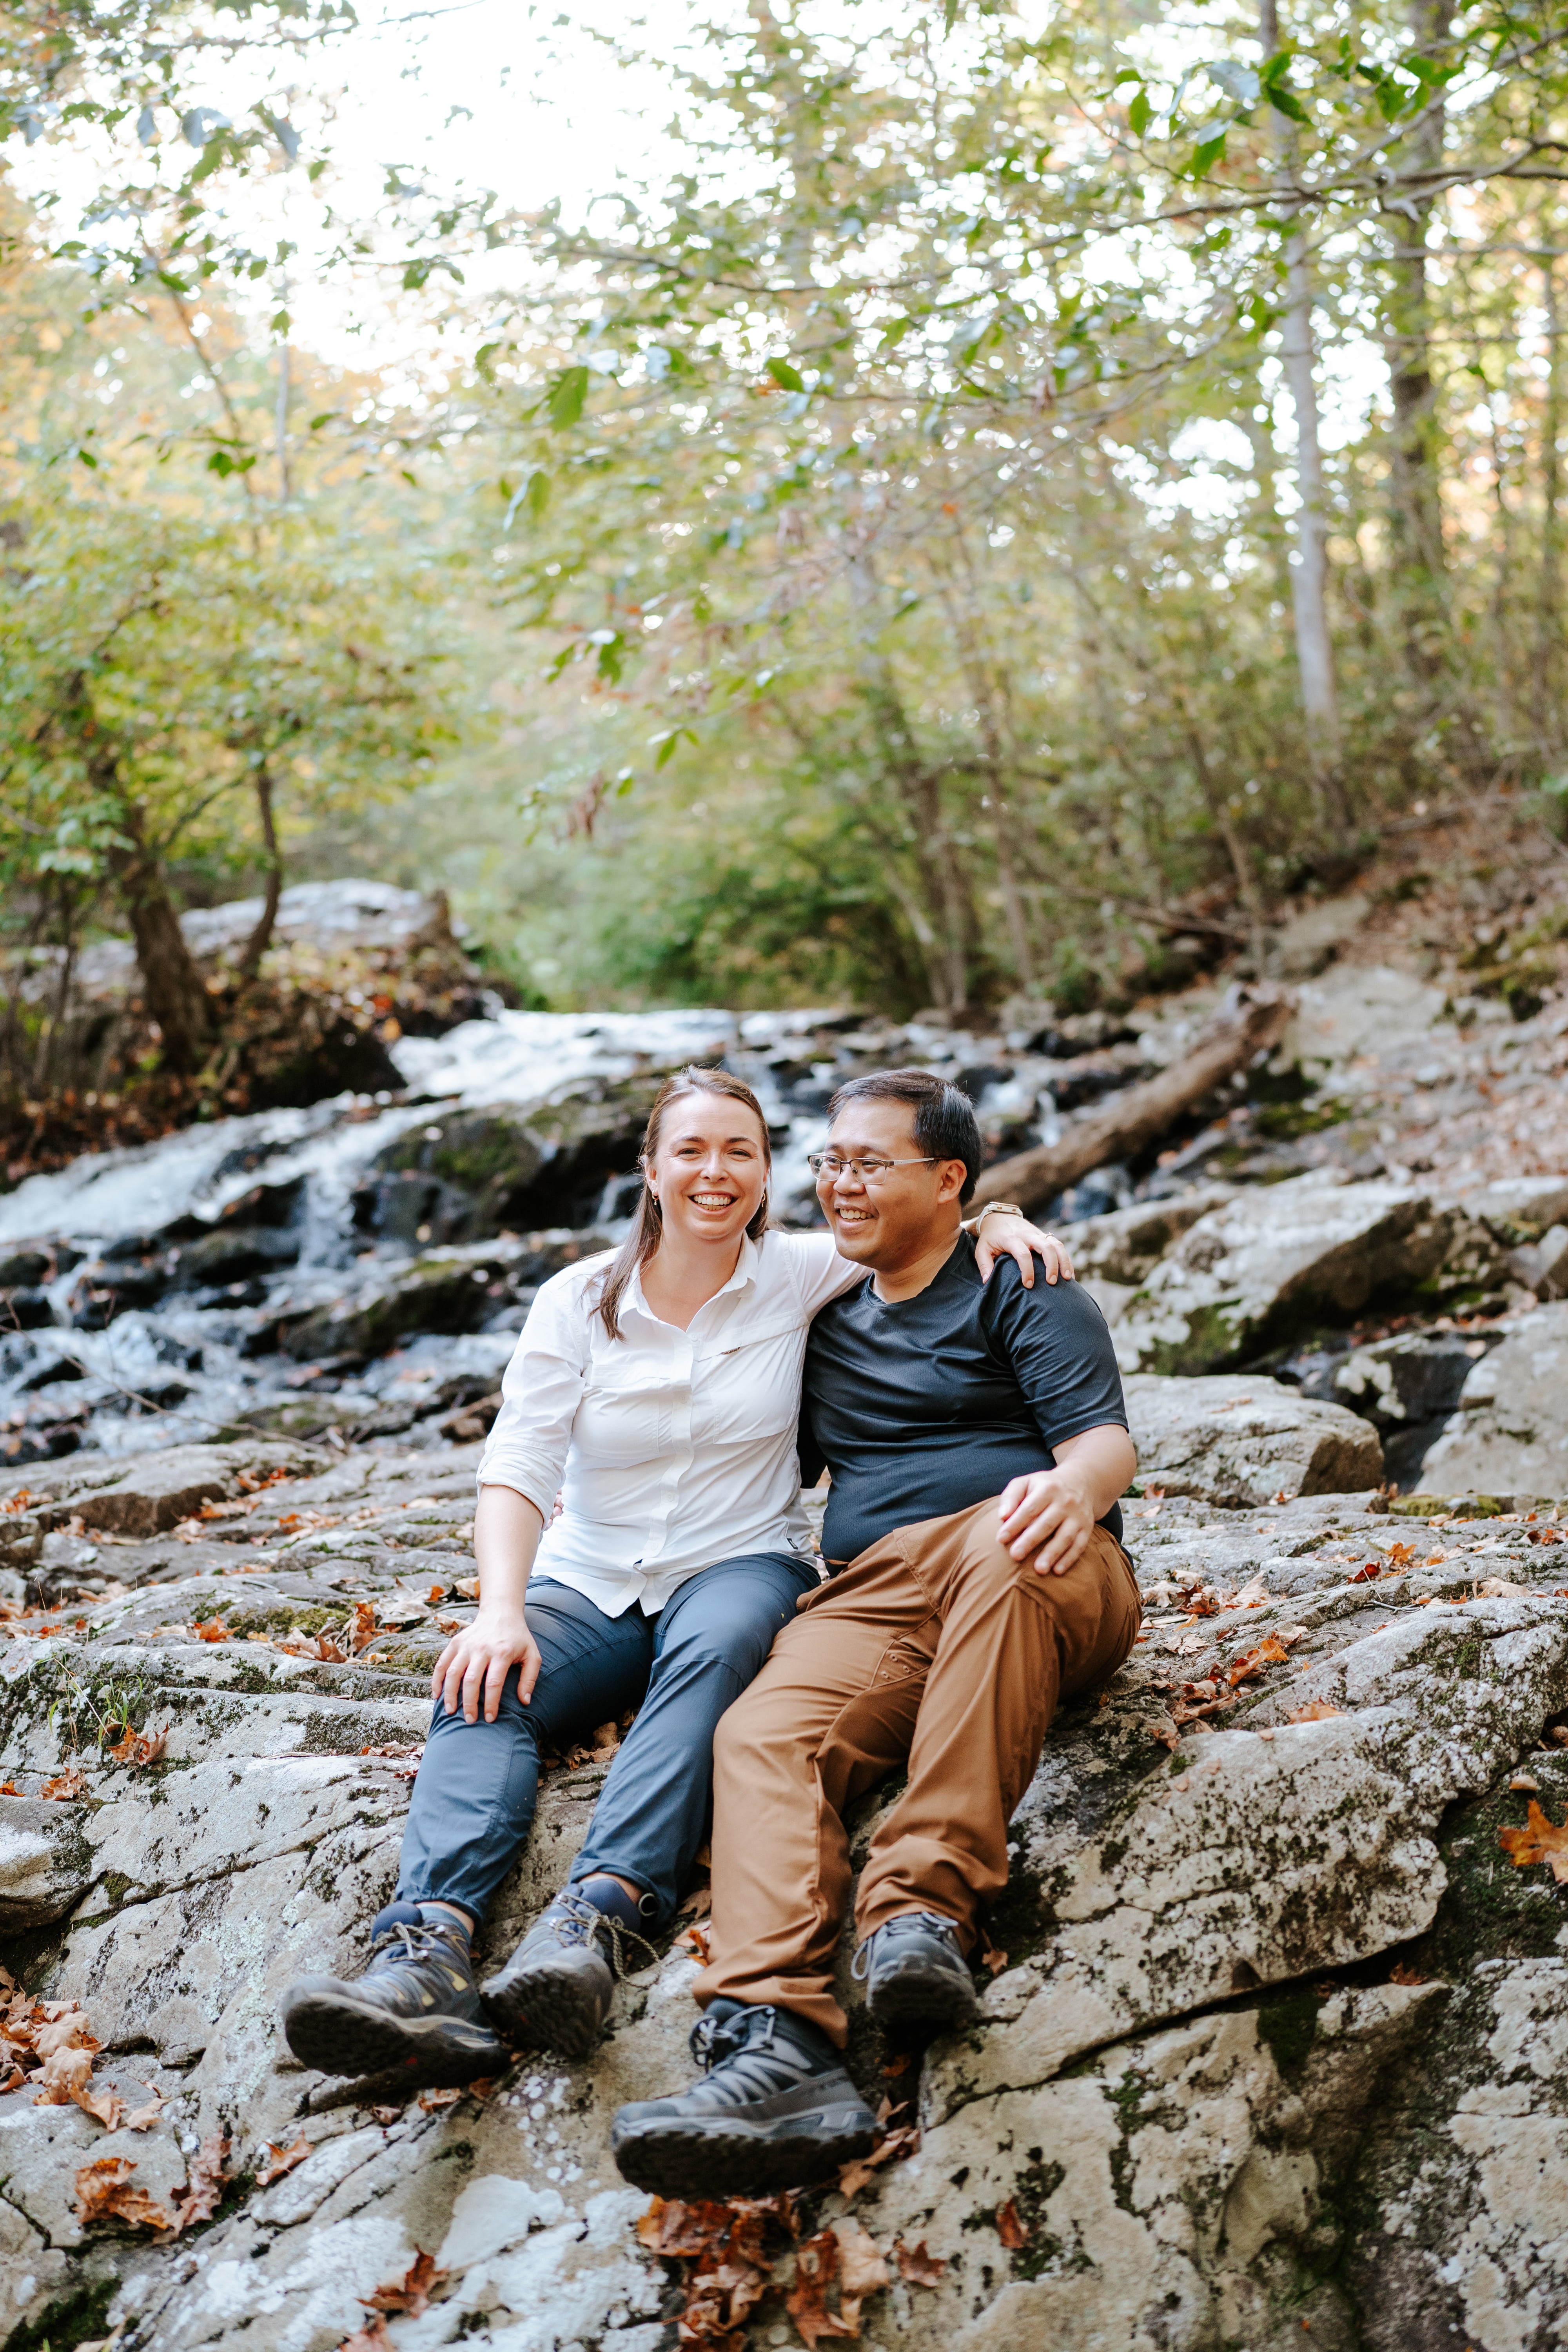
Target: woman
point(658, 1388)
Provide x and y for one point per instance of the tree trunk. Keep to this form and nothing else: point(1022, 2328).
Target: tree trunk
point(171, 987)
point(1416, 515)
point(1309, 573)
point(1249, 1023)
point(260, 939)
point(1548, 601)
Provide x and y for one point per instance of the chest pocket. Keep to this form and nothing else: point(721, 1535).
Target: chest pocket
point(750, 1388)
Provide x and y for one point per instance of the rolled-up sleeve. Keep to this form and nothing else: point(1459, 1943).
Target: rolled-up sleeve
point(540, 1395)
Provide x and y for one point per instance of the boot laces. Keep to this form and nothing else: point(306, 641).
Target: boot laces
point(860, 1966)
point(714, 2039)
point(576, 1921)
point(399, 1945)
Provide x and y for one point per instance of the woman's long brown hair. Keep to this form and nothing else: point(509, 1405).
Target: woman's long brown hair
point(647, 1229)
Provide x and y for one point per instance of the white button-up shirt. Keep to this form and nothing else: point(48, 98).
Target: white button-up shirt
point(672, 1449)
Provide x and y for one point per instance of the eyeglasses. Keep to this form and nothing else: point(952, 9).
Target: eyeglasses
point(865, 1172)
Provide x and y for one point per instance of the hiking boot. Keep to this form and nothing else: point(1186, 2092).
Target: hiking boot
point(775, 2111)
point(416, 2007)
point(556, 1989)
point(917, 1979)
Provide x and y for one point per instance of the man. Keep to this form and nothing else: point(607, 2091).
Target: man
point(977, 1442)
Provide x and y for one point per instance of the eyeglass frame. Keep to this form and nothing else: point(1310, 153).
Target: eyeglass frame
point(857, 1166)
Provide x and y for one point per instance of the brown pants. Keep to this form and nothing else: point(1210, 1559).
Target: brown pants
point(935, 1645)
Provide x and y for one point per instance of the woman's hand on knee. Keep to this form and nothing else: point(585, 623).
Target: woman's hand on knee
point(471, 1671)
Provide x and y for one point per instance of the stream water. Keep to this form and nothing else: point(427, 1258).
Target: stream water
point(109, 1340)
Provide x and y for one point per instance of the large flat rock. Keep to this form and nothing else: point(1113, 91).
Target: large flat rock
point(1511, 1433)
point(1238, 1440)
point(1286, 1258)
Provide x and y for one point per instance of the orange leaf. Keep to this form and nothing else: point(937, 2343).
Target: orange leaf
point(1317, 1710)
point(1269, 1653)
point(65, 2074)
point(920, 2268)
point(66, 1785)
point(282, 2160)
point(694, 1939)
point(1540, 1841)
point(411, 2294)
point(103, 2193)
point(432, 2102)
point(1402, 1554)
point(143, 2118)
point(1009, 2228)
point(215, 1630)
point(330, 1650)
point(1403, 1973)
point(107, 2108)
point(362, 1633)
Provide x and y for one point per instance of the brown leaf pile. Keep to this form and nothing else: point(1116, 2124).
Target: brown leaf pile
point(104, 2190)
point(1540, 1841)
point(49, 2047)
point(724, 2243)
point(852, 2260)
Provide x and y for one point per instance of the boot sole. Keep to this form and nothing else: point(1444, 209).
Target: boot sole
point(547, 2009)
point(916, 1998)
point(342, 2037)
point(673, 2160)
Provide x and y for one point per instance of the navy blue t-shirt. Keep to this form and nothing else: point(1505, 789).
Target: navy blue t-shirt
point(924, 1406)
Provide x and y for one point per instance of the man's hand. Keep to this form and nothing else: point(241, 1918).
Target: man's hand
point(475, 1664)
point(1015, 1237)
point(1049, 1513)
point(1054, 1512)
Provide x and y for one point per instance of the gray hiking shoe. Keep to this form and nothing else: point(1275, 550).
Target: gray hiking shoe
point(555, 1990)
point(777, 2110)
point(917, 1979)
point(416, 2008)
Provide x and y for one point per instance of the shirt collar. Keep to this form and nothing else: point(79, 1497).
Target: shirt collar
point(745, 1274)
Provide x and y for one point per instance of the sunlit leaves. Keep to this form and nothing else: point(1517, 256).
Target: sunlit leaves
point(567, 397)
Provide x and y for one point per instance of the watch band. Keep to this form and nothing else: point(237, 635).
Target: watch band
point(998, 1209)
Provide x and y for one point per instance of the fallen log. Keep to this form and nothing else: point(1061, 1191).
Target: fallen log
point(1249, 1022)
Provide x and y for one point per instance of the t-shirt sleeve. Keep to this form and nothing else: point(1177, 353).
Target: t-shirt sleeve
point(820, 1272)
point(1059, 1347)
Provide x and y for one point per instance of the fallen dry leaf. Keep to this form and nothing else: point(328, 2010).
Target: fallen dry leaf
point(432, 2102)
point(1540, 1841)
point(139, 1748)
point(107, 2108)
point(1269, 1653)
point(817, 2268)
point(1317, 1710)
point(104, 2193)
point(16, 2082)
point(362, 1633)
point(862, 2264)
point(215, 1630)
point(66, 1785)
point(1402, 1554)
point(694, 1939)
point(66, 2029)
point(1009, 2228)
point(330, 1651)
point(65, 2074)
point(410, 2295)
point(281, 2160)
point(920, 2268)
point(371, 2337)
point(386, 2114)
point(198, 2200)
point(853, 2177)
point(143, 2118)
point(1402, 1973)
point(1368, 1572)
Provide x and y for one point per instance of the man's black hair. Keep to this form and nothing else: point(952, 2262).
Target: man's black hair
point(945, 1124)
